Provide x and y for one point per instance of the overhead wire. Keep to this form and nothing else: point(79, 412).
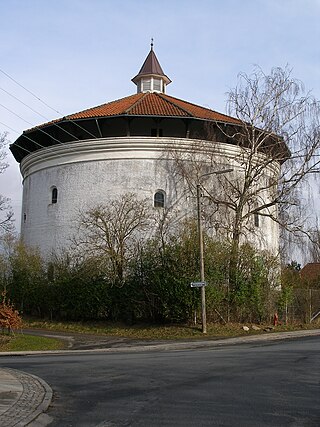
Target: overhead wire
point(25, 136)
point(23, 103)
point(37, 112)
point(17, 145)
point(46, 104)
point(3, 124)
point(29, 91)
point(26, 121)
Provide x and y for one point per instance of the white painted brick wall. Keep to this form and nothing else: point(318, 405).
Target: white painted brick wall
point(90, 173)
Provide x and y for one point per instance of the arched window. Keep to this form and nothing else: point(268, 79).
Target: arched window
point(159, 199)
point(54, 195)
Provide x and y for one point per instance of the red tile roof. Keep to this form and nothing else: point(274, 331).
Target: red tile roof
point(149, 104)
point(201, 112)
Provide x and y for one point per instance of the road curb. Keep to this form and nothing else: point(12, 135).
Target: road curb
point(32, 402)
point(178, 345)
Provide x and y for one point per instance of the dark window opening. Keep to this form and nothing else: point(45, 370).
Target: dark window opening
point(156, 132)
point(24, 218)
point(158, 200)
point(54, 195)
point(256, 219)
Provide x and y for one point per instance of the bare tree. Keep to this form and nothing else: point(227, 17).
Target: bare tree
point(112, 232)
point(314, 244)
point(273, 149)
point(3, 154)
point(6, 214)
point(276, 147)
point(281, 122)
point(165, 223)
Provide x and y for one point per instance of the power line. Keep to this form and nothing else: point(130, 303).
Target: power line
point(29, 91)
point(17, 145)
point(36, 127)
point(15, 114)
point(24, 121)
point(3, 124)
point(47, 105)
point(37, 112)
point(25, 136)
point(23, 103)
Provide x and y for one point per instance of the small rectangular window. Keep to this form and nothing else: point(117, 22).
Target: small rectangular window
point(256, 219)
point(157, 84)
point(146, 84)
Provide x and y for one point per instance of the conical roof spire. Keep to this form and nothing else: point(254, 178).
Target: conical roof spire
point(151, 77)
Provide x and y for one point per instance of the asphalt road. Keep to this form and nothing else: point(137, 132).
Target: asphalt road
point(261, 384)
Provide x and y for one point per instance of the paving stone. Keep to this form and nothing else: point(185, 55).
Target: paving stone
point(23, 397)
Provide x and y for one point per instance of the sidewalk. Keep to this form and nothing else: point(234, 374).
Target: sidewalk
point(24, 397)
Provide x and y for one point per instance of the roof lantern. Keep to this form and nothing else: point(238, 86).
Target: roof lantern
point(151, 77)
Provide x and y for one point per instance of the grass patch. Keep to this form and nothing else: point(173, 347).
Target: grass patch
point(19, 342)
point(157, 332)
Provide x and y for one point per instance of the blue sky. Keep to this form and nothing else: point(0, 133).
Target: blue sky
point(75, 54)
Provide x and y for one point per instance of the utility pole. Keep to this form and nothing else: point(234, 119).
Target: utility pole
point(201, 249)
point(201, 258)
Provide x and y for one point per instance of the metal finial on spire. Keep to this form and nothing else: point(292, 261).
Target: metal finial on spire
point(151, 77)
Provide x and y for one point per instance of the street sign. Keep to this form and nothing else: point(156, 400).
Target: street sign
point(198, 284)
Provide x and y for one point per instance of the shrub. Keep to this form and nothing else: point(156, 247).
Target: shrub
point(9, 317)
